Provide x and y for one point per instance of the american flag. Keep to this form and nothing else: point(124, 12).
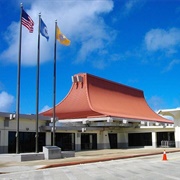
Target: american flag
point(27, 21)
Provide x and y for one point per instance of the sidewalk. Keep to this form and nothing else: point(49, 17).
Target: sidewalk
point(82, 157)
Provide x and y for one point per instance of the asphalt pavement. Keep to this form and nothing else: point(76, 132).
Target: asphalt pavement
point(41, 168)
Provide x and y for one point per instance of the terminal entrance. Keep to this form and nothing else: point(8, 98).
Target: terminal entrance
point(113, 140)
point(88, 141)
point(140, 139)
point(27, 141)
point(165, 139)
point(65, 141)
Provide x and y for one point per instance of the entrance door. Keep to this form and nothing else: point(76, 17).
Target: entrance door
point(88, 141)
point(26, 141)
point(140, 139)
point(165, 139)
point(113, 141)
point(65, 141)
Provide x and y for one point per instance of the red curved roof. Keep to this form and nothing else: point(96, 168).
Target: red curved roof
point(93, 96)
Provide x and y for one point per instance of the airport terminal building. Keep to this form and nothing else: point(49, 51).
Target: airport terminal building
point(95, 114)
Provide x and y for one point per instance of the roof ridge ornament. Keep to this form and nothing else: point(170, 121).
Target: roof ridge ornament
point(77, 79)
point(74, 80)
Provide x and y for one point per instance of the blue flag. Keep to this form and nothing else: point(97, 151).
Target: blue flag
point(43, 30)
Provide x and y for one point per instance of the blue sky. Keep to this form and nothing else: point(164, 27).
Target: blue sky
point(132, 42)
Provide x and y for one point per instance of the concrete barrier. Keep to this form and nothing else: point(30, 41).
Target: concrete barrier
point(51, 152)
point(67, 154)
point(21, 157)
point(32, 156)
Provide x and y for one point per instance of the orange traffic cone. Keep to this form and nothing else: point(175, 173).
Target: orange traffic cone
point(164, 156)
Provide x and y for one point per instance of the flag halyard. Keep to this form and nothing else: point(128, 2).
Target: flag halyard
point(27, 21)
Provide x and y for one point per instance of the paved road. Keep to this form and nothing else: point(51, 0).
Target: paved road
point(147, 167)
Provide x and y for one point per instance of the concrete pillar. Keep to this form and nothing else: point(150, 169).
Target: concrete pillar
point(100, 140)
point(103, 140)
point(91, 141)
point(48, 138)
point(77, 141)
point(122, 140)
point(177, 131)
point(73, 142)
point(4, 141)
point(177, 137)
point(154, 139)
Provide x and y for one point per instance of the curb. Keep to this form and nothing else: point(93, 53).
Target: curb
point(101, 160)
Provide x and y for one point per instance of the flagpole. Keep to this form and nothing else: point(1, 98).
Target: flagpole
point(54, 86)
point(37, 85)
point(18, 84)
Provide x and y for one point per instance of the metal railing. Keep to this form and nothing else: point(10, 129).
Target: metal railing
point(165, 143)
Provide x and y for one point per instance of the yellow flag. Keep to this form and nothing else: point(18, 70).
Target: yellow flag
point(62, 38)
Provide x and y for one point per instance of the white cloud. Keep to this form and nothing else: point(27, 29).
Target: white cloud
point(130, 5)
point(80, 21)
point(6, 101)
point(100, 64)
point(45, 108)
point(171, 65)
point(160, 39)
point(155, 103)
point(1, 86)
